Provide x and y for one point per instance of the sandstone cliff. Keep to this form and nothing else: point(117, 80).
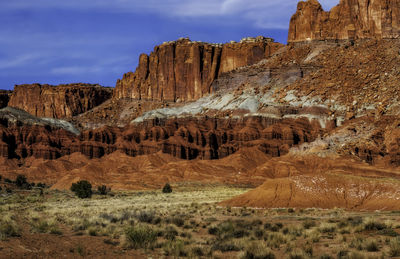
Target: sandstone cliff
point(62, 101)
point(351, 19)
point(184, 70)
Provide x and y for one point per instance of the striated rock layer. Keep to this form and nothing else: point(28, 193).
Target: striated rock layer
point(184, 70)
point(351, 19)
point(62, 101)
point(186, 138)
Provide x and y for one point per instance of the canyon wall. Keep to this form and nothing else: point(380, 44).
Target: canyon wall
point(62, 101)
point(184, 70)
point(186, 138)
point(349, 20)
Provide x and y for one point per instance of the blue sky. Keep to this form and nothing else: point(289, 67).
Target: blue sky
point(97, 41)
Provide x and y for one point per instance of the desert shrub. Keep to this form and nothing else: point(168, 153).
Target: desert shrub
point(273, 227)
point(6, 180)
point(198, 251)
point(327, 228)
point(178, 220)
point(8, 229)
point(1, 189)
point(371, 246)
point(82, 189)
point(275, 240)
point(146, 216)
point(41, 185)
point(394, 247)
point(258, 250)
point(167, 188)
point(140, 236)
point(373, 225)
point(357, 243)
point(213, 230)
point(309, 224)
point(21, 182)
point(355, 221)
point(325, 256)
point(170, 233)
point(103, 190)
point(175, 248)
point(259, 233)
point(225, 246)
point(40, 226)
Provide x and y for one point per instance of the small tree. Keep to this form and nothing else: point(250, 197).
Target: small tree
point(167, 188)
point(82, 189)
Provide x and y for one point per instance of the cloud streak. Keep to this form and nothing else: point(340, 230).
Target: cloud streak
point(263, 13)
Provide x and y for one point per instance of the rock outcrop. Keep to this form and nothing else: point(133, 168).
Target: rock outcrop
point(62, 101)
point(184, 70)
point(185, 138)
point(350, 20)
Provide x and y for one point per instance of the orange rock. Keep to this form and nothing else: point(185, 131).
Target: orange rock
point(62, 101)
point(351, 19)
point(184, 70)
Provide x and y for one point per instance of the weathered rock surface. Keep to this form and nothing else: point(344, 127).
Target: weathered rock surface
point(62, 101)
point(313, 182)
point(186, 138)
point(184, 70)
point(351, 19)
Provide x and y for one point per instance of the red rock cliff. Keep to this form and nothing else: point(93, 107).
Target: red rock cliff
point(62, 101)
point(351, 19)
point(183, 70)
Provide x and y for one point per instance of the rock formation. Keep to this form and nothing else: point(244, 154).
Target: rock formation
point(350, 20)
point(186, 138)
point(62, 101)
point(184, 70)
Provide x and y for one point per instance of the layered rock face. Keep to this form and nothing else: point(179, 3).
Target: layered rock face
point(350, 20)
point(62, 101)
point(184, 70)
point(186, 138)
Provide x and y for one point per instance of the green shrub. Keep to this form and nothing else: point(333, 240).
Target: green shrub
point(140, 237)
point(82, 189)
point(22, 183)
point(103, 190)
point(167, 188)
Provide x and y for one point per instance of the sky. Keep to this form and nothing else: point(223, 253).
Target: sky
point(97, 41)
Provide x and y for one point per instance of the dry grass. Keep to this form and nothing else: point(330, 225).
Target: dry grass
point(189, 223)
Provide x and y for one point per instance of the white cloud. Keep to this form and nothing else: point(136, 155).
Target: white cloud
point(263, 13)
